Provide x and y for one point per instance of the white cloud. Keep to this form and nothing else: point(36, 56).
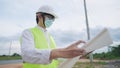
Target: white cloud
point(104, 13)
point(71, 13)
point(8, 30)
point(9, 48)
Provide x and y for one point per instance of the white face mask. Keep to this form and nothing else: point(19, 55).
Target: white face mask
point(48, 22)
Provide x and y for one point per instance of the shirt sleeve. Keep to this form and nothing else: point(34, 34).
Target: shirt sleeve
point(31, 54)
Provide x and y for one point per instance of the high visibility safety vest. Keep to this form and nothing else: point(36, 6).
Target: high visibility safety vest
point(41, 43)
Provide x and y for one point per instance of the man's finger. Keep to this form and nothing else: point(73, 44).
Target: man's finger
point(78, 42)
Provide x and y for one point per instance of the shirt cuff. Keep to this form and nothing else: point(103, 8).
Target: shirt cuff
point(46, 56)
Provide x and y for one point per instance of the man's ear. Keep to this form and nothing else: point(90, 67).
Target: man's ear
point(39, 15)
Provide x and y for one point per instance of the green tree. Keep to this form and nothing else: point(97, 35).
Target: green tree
point(113, 54)
point(15, 54)
point(116, 51)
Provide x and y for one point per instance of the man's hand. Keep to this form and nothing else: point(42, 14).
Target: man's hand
point(73, 50)
point(84, 56)
point(68, 52)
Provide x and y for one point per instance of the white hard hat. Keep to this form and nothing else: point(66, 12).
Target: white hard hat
point(48, 10)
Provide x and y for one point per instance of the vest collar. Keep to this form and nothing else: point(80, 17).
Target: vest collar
point(41, 28)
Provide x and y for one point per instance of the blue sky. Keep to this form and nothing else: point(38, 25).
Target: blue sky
point(17, 15)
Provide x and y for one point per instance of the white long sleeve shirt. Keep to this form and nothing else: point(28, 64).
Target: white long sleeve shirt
point(30, 53)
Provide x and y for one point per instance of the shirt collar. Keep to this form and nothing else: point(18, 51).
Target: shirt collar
point(39, 27)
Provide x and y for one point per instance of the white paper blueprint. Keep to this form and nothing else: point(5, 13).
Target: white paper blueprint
point(101, 40)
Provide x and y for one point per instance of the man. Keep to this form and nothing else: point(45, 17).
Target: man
point(38, 47)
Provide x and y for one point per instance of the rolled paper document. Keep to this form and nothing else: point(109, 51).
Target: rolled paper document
point(101, 40)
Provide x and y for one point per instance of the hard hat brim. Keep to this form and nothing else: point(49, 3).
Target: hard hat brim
point(49, 13)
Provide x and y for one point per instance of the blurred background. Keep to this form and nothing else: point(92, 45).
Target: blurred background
point(18, 15)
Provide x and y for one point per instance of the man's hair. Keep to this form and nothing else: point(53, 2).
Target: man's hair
point(37, 19)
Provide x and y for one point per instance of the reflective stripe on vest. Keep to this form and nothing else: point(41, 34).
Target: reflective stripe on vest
point(41, 43)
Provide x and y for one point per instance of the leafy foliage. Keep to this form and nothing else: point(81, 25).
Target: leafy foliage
point(113, 54)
